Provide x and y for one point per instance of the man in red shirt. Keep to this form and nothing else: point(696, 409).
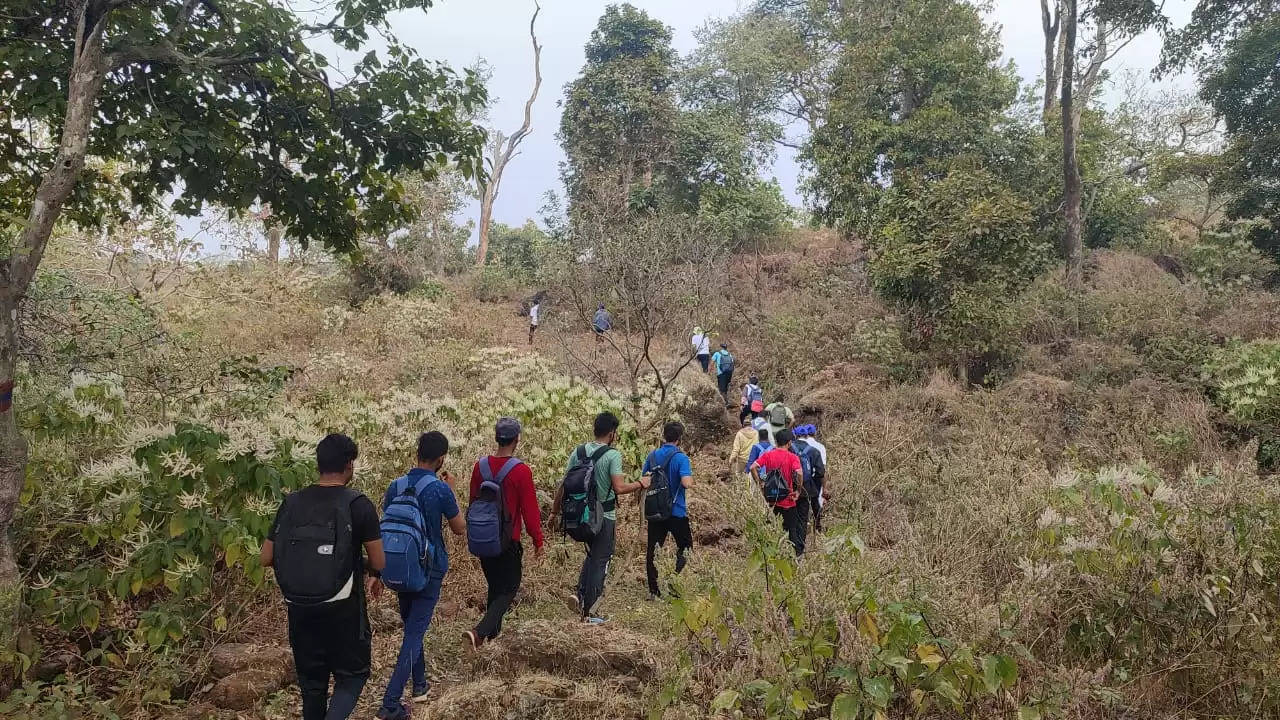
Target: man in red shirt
point(794, 519)
point(504, 571)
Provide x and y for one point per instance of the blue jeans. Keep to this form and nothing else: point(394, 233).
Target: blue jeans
point(416, 610)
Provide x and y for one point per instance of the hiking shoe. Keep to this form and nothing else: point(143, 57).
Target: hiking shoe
point(653, 597)
point(594, 620)
point(420, 693)
point(475, 641)
point(400, 713)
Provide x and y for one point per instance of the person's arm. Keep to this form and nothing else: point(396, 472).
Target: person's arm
point(555, 507)
point(755, 473)
point(617, 479)
point(373, 551)
point(457, 522)
point(267, 555)
point(685, 468)
point(530, 514)
point(791, 417)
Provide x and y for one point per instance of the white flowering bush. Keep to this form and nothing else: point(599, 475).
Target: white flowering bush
point(1247, 379)
point(1129, 569)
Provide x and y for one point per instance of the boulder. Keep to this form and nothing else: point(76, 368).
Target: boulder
point(243, 690)
point(232, 658)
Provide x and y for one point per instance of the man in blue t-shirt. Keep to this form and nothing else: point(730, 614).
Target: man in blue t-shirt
point(439, 505)
point(680, 476)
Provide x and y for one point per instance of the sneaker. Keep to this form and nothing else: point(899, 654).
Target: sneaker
point(594, 620)
point(420, 693)
point(473, 640)
point(653, 597)
point(400, 713)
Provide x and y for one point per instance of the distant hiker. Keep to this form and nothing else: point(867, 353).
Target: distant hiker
point(752, 398)
point(502, 500)
point(702, 348)
point(724, 362)
point(414, 509)
point(742, 442)
point(586, 503)
point(815, 472)
point(535, 314)
point(602, 323)
point(669, 475)
point(320, 531)
point(779, 417)
point(779, 475)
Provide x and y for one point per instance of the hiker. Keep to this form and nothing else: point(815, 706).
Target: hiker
point(502, 501)
point(320, 531)
point(669, 475)
point(815, 471)
point(741, 452)
point(779, 475)
point(535, 313)
point(724, 362)
point(601, 323)
point(752, 399)
point(809, 434)
point(762, 445)
point(585, 506)
point(702, 348)
point(780, 417)
point(414, 509)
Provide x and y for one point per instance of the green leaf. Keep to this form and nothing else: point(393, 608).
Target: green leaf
point(1029, 712)
point(879, 690)
point(845, 707)
point(726, 700)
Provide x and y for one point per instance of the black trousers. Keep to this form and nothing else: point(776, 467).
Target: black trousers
point(676, 527)
point(503, 575)
point(722, 381)
point(795, 520)
point(332, 639)
point(817, 514)
point(595, 567)
point(704, 361)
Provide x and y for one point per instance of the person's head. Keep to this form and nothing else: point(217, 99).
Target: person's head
point(672, 432)
point(432, 448)
point(754, 380)
point(506, 432)
point(724, 346)
point(601, 306)
point(782, 438)
point(606, 427)
point(336, 457)
point(697, 331)
point(799, 431)
point(763, 434)
point(746, 420)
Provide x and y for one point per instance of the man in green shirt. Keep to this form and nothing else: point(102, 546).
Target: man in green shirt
point(610, 483)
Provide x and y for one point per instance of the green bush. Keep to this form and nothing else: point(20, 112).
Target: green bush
point(1226, 259)
point(1246, 380)
point(494, 283)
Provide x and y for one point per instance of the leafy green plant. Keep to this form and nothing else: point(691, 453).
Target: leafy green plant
point(1227, 259)
point(1246, 378)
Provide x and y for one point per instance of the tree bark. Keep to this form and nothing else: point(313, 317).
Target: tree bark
point(505, 148)
point(1050, 22)
point(1073, 191)
point(275, 233)
point(88, 73)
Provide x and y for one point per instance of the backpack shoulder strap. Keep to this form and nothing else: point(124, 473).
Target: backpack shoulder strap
point(486, 472)
point(599, 453)
point(581, 454)
point(511, 464)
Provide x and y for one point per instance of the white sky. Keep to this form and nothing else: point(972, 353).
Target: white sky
point(459, 32)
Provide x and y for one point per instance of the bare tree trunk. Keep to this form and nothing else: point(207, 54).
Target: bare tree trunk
point(1050, 22)
point(504, 148)
point(1073, 190)
point(88, 72)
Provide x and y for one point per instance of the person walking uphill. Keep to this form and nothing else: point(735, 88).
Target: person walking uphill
point(414, 509)
point(779, 417)
point(320, 531)
point(702, 348)
point(780, 476)
point(601, 323)
point(586, 503)
point(815, 471)
point(669, 475)
point(502, 501)
point(724, 362)
point(752, 399)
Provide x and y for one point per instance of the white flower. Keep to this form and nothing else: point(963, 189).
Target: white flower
point(190, 501)
point(1049, 518)
point(1074, 545)
point(1066, 478)
point(178, 464)
point(1165, 494)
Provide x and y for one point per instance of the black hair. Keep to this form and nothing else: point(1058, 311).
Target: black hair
point(763, 434)
point(432, 446)
point(754, 380)
point(334, 452)
point(672, 432)
point(605, 423)
point(783, 437)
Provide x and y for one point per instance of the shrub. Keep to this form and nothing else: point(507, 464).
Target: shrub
point(1226, 259)
point(493, 283)
point(1246, 378)
point(382, 270)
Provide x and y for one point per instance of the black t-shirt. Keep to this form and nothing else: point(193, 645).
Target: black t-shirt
point(364, 519)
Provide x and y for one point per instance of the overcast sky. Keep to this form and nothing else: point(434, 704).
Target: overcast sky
point(460, 32)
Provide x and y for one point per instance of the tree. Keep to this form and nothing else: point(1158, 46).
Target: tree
point(1073, 188)
point(910, 96)
point(206, 100)
point(1243, 86)
point(620, 113)
point(521, 250)
point(503, 147)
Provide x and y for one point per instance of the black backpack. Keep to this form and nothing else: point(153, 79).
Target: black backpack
point(726, 362)
point(776, 486)
point(658, 499)
point(314, 557)
point(581, 508)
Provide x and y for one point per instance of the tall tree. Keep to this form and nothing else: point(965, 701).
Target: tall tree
point(503, 147)
point(205, 99)
point(620, 113)
point(1073, 188)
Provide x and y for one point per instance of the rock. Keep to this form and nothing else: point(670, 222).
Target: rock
point(232, 658)
point(715, 534)
point(384, 619)
point(447, 608)
point(243, 690)
point(50, 667)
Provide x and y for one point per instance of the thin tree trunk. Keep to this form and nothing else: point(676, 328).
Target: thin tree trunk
point(1050, 22)
point(88, 72)
point(275, 232)
point(486, 220)
point(1073, 190)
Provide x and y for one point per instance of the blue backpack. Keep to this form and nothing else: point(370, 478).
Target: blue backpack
point(405, 541)
point(488, 522)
